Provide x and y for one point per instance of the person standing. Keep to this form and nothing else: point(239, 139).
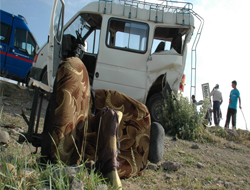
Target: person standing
point(217, 101)
point(194, 100)
point(232, 108)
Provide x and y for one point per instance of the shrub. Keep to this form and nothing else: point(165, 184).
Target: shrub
point(239, 136)
point(181, 118)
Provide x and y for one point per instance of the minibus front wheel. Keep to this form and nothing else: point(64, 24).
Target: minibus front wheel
point(155, 105)
point(44, 78)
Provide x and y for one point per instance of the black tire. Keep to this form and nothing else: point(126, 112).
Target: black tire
point(47, 133)
point(27, 79)
point(44, 78)
point(154, 105)
point(48, 128)
point(156, 147)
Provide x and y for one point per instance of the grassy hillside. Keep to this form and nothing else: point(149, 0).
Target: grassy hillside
point(220, 160)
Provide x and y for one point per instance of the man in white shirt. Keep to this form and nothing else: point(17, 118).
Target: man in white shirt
point(217, 101)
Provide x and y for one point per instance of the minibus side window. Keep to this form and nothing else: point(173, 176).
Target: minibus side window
point(127, 35)
point(90, 35)
point(93, 42)
point(58, 21)
point(166, 39)
point(4, 33)
point(77, 25)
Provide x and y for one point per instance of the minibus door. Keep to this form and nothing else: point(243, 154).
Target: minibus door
point(55, 40)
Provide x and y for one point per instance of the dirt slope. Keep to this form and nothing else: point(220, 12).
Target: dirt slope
point(220, 165)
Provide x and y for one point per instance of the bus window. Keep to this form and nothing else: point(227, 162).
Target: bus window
point(31, 45)
point(80, 25)
point(4, 33)
point(90, 34)
point(172, 37)
point(20, 39)
point(127, 35)
point(25, 42)
point(93, 42)
point(58, 21)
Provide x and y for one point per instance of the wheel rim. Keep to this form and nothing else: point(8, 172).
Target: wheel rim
point(157, 110)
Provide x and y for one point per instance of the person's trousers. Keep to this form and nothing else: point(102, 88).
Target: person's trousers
point(216, 110)
point(231, 112)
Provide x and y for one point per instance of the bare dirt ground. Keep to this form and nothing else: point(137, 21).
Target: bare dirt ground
point(14, 98)
point(222, 164)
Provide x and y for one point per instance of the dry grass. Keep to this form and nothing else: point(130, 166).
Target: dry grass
point(225, 156)
point(225, 161)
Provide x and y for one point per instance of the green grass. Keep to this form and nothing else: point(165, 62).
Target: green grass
point(43, 175)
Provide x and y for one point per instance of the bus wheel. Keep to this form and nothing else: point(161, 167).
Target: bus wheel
point(27, 79)
point(154, 105)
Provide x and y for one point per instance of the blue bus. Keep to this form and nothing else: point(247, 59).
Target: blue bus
point(17, 47)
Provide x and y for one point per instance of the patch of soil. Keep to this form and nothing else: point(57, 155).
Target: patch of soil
point(14, 98)
point(223, 164)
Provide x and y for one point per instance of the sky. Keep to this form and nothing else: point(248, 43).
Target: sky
point(222, 51)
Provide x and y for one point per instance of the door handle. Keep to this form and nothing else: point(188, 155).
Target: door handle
point(96, 74)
